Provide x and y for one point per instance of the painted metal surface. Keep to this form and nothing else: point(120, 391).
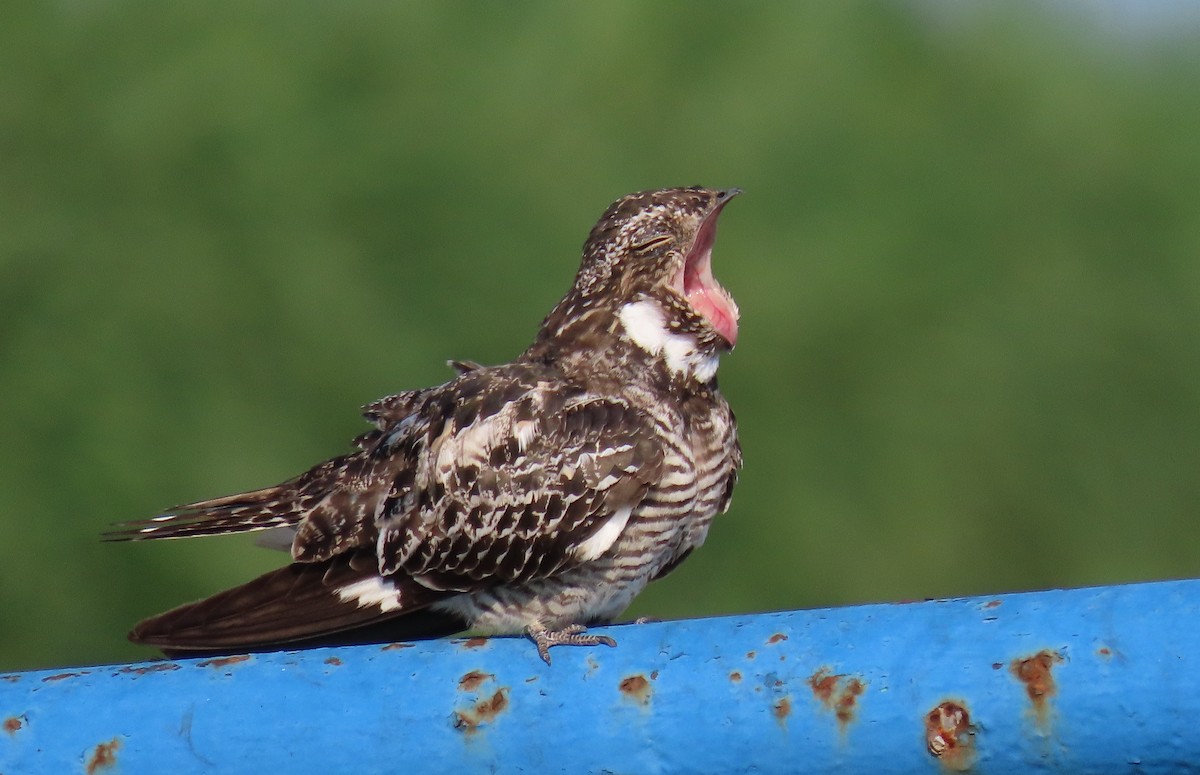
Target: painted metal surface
point(1090, 680)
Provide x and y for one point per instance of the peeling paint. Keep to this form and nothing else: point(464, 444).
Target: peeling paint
point(64, 676)
point(474, 643)
point(950, 735)
point(333, 661)
point(103, 756)
point(396, 646)
point(13, 724)
point(776, 638)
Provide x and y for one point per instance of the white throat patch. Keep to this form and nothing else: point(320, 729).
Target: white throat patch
point(646, 326)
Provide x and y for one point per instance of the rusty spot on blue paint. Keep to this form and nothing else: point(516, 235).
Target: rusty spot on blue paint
point(735, 676)
point(223, 661)
point(472, 680)
point(157, 667)
point(103, 756)
point(782, 709)
point(395, 646)
point(1036, 674)
point(838, 693)
point(483, 713)
point(950, 735)
point(474, 643)
point(334, 662)
point(776, 638)
point(636, 688)
point(13, 724)
point(64, 676)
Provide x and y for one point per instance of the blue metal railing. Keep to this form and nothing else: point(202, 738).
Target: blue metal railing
point(1087, 680)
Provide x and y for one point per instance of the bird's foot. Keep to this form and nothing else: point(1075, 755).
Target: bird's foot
point(571, 635)
point(646, 620)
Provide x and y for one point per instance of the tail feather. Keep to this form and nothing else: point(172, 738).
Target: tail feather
point(337, 601)
point(270, 507)
point(284, 505)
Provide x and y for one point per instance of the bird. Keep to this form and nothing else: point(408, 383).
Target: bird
point(535, 498)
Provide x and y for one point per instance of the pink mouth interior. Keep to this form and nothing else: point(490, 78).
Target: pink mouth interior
point(703, 292)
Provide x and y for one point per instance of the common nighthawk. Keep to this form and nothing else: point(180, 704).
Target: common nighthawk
point(536, 497)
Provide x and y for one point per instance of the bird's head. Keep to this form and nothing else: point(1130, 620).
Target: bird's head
point(647, 271)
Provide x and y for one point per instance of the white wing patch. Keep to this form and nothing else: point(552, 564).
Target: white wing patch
point(605, 537)
point(372, 591)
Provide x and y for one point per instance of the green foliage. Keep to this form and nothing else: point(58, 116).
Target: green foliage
point(966, 260)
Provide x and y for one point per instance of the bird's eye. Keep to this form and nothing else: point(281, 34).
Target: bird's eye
point(651, 244)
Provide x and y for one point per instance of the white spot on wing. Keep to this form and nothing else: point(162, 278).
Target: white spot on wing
point(372, 591)
point(606, 536)
point(524, 431)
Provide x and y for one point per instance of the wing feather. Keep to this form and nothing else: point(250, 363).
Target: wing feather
point(545, 482)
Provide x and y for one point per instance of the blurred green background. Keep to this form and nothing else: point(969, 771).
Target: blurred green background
point(966, 261)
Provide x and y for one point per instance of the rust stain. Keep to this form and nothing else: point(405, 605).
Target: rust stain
point(653, 675)
point(472, 680)
point(223, 661)
point(1036, 673)
point(395, 646)
point(104, 756)
point(334, 661)
point(776, 638)
point(839, 693)
point(13, 724)
point(64, 676)
point(996, 665)
point(474, 643)
point(1104, 651)
point(782, 709)
point(637, 688)
point(485, 711)
point(735, 676)
point(157, 667)
point(751, 654)
point(950, 736)
point(993, 604)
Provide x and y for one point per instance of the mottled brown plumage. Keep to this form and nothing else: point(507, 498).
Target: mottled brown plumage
point(538, 496)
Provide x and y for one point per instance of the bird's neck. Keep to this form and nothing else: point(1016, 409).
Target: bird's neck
point(634, 337)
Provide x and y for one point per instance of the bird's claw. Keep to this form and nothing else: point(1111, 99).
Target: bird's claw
point(571, 635)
